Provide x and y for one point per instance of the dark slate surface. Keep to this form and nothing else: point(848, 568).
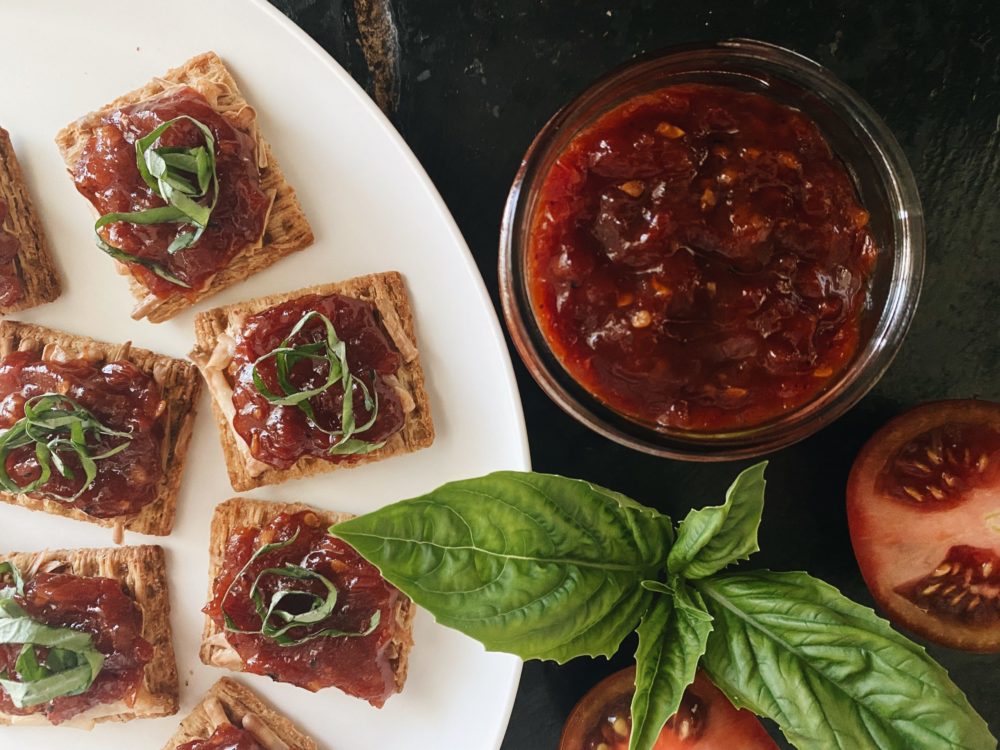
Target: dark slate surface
point(468, 85)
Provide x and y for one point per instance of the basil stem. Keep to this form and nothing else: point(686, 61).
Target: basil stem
point(334, 351)
point(70, 666)
point(57, 426)
point(184, 178)
point(320, 607)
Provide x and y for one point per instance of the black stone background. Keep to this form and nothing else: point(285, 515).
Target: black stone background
point(469, 82)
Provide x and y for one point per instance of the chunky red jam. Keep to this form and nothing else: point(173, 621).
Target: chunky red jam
point(699, 259)
point(11, 289)
point(123, 398)
point(92, 605)
point(106, 174)
point(281, 435)
point(226, 737)
point(361, 666)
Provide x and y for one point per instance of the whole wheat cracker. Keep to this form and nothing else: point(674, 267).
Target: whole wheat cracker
point(180, 386)
point(287, 228)
point(237, 702)
point(36, 270)
point(238, 512)
point(387, 292)
point(142, 571)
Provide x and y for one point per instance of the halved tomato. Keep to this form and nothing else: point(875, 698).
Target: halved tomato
point(706, 720)
point(923, 506)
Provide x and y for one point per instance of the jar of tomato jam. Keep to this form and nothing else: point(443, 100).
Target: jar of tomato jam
point(712, 253)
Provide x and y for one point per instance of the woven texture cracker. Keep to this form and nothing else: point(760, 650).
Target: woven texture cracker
point(237, 513)
point(237, 701)
point(387, 292)
point(36, 271)
point(287, 229)
point(142, 571)
point(180, 386)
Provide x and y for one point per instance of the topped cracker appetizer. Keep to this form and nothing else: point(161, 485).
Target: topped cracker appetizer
point(28, 276)
point(190, 198)
point(314, 380)
point(94, 431)
point(292, 602)
point(85, 637)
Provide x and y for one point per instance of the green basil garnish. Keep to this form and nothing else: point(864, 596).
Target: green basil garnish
point(56, 425)
point(276, 622)
point(70, 666)
point(552, 568)
point(334, 352)
point(185, 178)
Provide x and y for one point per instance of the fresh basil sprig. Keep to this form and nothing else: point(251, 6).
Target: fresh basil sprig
point(70, 665)
point(185, 178)
point(277, 622)
point(547, 567)
point(56, 426)
point(535, 565)
point(333, 351)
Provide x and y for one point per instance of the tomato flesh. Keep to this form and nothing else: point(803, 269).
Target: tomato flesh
point(706, 720)
point(923, 506)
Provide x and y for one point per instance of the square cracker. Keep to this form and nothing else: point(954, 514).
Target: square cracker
point(179, 385)
point(36, 270)
point(387, 292)
point(240, 512)
point(142, 571)
point(287, 229)
point(237, 702)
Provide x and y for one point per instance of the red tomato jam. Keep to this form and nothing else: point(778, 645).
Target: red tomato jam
point(106, 174)
point(10, 282)
point(362, 666)
point(281, 435)
point(123, 398)
point(94, 605)
point(226, 737)
point(699, 259)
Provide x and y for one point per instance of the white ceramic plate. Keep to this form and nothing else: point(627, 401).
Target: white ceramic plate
point(372, 208)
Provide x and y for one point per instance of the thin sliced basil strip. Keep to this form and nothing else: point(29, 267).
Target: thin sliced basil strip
point(56, 424)
point(70, 666)
point(320, 607)
point(334, 351)
point(168, 171)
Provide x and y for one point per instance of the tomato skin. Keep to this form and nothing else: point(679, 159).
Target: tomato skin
point(904, 546)
point(724, 727)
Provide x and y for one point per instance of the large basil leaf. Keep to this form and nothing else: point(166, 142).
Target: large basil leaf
point(711, 538)
point(532, 564)
point(671, 641)
point(830, 672)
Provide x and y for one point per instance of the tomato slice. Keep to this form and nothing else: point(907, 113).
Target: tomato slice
point(706, 720)
point(923, 506)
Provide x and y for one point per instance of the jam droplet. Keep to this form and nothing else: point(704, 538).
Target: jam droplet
point(964, 588)
point(936, 468)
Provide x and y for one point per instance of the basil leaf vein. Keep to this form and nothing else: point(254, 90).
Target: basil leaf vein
point(830, 672)
point(537, 565)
